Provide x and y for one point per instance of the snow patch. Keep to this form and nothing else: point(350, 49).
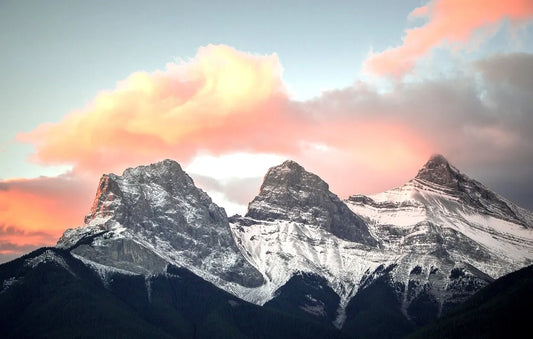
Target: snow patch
point(314, 307)
point(104, 272)
point(47, 256)
point(8, 283)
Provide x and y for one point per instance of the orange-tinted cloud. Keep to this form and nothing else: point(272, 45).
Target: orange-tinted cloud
point(452, 23)
point(204, 102)
point(35, 212)
point(221, 101)
point(366, 157)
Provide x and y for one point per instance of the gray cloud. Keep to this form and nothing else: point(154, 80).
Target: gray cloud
point(8, 230)
point(508, 69)
point(481, 120)
point(62, 184)
point(10, 251)
point(17, 249)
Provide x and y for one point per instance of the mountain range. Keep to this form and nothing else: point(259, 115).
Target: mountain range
point(157, 252)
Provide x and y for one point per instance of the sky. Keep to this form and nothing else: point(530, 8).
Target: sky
point(361, 93)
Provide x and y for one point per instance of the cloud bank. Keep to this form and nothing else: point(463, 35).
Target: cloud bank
point(480, 119)
point(450, 23)
point(202, 103)
point(225, 101)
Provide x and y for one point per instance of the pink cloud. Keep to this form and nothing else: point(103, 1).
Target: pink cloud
point(203, 103)
point(452, 23)
point(221, 101)
point(35, 212)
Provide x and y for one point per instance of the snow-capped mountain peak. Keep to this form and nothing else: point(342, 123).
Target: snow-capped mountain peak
point(289, 192)
point(470, 223)
point(154, 215)
point(440, 176)
point(440, 236)
point(116, 192)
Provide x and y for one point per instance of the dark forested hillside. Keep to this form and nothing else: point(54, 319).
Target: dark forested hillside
point(500, 310)
point(51, 294)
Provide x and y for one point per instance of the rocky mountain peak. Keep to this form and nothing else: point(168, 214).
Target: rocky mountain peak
point(437, 159)
point(167, 175)
point(470, 192)
point(165, 169)
point(290, 174)
point(289, 192)
point(153, 215)
point(291, 166)
point(439, 171)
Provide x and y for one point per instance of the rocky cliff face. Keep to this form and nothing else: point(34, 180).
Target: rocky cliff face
point(437, 170)
point(291, 193)
point(154, 215)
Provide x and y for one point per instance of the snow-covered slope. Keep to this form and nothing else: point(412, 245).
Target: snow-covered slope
point(441, 236)
point(442, 210)
point(296, 224)
point(280, 249)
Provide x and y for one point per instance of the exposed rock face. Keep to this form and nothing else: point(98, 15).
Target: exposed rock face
point(291, 193)
point(437, 170)
point(154, 215)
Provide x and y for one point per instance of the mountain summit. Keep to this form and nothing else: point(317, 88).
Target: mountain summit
point(154, 215)
point(439, 171)
point(291, 193)
point(439, 174)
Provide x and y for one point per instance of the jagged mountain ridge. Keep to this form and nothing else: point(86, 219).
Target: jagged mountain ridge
point(154, 215)
point(472, 193)
point(291, 193)
point(435, 242)
point(429, 239)
point(443, 221)
point(460, 207)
